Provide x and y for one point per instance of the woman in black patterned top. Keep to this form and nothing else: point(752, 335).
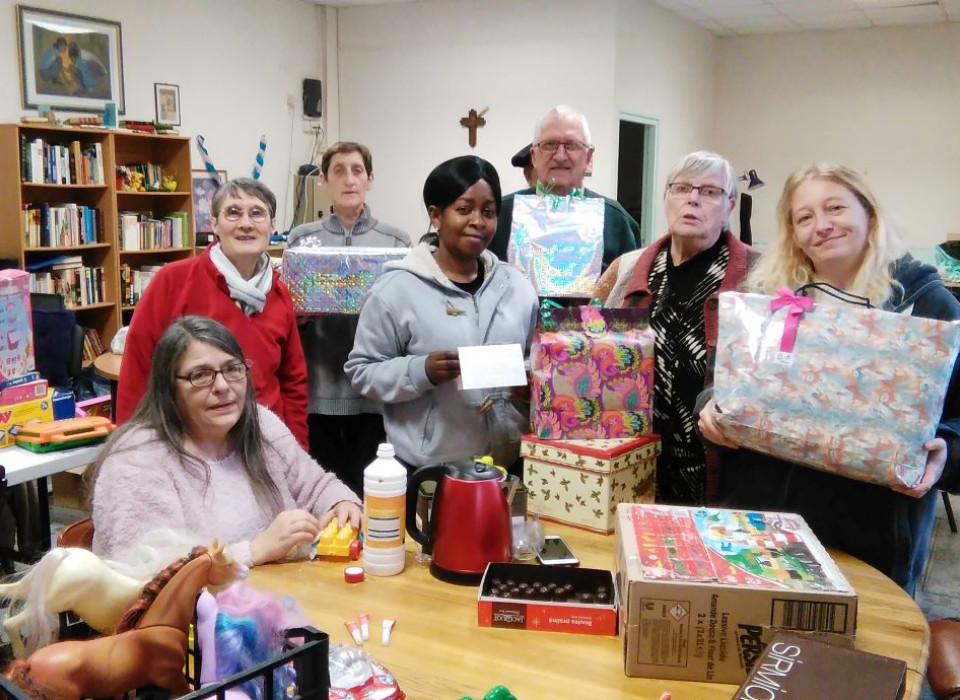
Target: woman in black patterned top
point(677, 279)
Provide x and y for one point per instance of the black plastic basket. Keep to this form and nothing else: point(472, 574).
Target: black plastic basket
point(307, 648)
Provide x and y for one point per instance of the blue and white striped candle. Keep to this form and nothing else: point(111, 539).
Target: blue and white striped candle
point(258, 161)
point(207, 163)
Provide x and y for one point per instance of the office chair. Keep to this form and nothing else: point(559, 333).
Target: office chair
point(57, 340)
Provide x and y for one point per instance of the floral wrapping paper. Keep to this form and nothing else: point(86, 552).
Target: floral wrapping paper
point(592, 374)
point(557, 242)
point(333, 280)
point(580, 482)
point(859, 394)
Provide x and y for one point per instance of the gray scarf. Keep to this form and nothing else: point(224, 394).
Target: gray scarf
point(251, 294)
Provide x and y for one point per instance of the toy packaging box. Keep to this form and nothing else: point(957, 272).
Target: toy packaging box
point(14, 416)
point(548, 598)
point(592, 373)
point(16, 324)
point(703, 590)
point(580, 482)
point(333, 280)
point(846, 389)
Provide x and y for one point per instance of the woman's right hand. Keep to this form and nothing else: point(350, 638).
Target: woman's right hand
point(442, 366)
point(289, 529)
point(709, 428)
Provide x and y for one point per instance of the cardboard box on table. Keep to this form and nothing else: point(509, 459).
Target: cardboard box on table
point(703, 590)
point(14, 416)
point(333, 280)
point(580, 482)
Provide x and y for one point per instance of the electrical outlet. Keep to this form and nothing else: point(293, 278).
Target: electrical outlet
point(310, 126)
point(292, 101)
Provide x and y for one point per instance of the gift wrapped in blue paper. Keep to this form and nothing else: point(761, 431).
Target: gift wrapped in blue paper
point(558, 242)
point(333, 280)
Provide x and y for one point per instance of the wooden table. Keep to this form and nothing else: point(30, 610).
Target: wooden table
point(438, 652)
point(107, 365)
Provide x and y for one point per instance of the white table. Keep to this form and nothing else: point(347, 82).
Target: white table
point(18, 465)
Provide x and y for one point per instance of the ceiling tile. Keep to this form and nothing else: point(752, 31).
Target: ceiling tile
point(831, 20)
point(724, 10)
point(760, 25)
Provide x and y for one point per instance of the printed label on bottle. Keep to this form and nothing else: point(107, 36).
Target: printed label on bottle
point(384, 520)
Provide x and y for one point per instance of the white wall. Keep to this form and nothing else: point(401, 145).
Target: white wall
point(409, 72)
point(883, 101)
point(236, 61)
point(666, 70)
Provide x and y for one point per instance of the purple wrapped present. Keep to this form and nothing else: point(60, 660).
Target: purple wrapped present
point(333, 280)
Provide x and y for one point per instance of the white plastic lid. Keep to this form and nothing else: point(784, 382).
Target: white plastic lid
point(385, 450)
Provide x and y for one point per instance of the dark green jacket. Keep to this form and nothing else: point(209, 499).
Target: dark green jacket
point(621, 233)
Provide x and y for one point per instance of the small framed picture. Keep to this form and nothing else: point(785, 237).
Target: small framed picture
point(204, 186)
point(168, 103)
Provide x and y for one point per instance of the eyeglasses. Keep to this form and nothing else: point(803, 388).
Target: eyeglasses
point(206, 376)
point(570, 146)
point(682, 189)
point(256, 214)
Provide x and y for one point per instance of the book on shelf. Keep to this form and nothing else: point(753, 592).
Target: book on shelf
point(92, 346)
point(798, 666)
point(134, 281)
point(70, 163)
point(145, 231)
point(57, 262)
point(70, 224)
point(79, 286)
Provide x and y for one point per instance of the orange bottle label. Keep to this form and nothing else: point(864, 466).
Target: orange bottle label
point(384, 521)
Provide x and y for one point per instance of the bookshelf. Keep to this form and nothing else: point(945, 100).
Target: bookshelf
point(77, 217)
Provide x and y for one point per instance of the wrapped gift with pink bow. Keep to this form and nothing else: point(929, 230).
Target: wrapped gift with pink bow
point(592, 374)
point(844, 388)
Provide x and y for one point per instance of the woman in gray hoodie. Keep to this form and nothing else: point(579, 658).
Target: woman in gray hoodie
point(449, 292)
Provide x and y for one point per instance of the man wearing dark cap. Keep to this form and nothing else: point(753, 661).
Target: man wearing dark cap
point(522, 159)
point(561, 154)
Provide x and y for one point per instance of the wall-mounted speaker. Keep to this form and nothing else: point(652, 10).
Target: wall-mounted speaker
point(312, 98)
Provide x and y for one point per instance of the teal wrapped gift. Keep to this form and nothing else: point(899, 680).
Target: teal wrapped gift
point(333, 280)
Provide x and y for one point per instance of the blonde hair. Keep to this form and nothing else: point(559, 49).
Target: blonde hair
point(784, 264)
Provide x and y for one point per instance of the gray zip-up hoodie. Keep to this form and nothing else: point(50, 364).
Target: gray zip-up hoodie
point(413, 310)
point(327, 340)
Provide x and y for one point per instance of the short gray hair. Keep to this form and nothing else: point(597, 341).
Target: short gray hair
point(247, 186)
point(562, 112)
point(701, 163)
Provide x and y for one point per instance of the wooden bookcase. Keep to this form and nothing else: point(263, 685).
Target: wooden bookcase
point(118, 148)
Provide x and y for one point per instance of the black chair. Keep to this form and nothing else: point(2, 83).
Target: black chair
point(58, 340)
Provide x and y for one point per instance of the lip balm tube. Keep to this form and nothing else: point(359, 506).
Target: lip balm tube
point(365, 626)
point(354, 631)
point(385, 634)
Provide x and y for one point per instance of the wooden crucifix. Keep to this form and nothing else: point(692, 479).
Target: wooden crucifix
point(472, 122)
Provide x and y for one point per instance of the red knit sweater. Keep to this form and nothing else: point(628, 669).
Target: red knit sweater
point(269, 339)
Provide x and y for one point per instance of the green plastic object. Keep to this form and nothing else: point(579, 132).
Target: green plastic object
point(948, 260)
point(52, 446)
point(499, 692)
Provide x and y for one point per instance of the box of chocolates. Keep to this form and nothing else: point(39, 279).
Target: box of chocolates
point(548, 598)
point(333, 280)
point(704, 590)
point(580, 482)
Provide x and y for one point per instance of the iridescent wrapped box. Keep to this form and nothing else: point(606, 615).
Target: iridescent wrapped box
point(333, 280)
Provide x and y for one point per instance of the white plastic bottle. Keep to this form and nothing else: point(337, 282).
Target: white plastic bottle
point(384, 513)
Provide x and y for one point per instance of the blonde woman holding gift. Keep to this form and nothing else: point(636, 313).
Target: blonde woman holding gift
point(831, 229)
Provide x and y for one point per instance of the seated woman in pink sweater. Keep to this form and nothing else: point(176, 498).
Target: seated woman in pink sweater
point(200, 456)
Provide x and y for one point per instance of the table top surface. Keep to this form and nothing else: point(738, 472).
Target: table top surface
point(18, 465)
point(438, 652)
point(108, 365)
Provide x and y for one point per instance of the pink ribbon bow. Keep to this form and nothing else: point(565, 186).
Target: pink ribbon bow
point(796, 305)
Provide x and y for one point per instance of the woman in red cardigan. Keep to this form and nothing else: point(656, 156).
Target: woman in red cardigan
point(234, 283)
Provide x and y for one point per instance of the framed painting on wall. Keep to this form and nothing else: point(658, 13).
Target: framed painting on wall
point(203, 187)
point(68, 61)
point(167, 98)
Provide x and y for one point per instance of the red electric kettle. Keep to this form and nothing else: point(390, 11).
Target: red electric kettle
point(469, 523)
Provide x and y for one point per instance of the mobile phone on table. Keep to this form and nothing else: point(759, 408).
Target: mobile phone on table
point(555, 552)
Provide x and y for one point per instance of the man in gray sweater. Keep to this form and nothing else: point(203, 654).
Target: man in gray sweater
point(345, 428)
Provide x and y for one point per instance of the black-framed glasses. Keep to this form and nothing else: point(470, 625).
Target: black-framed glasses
point(570, 146)
point(256, 214)
point(203, 377)
point(682, 189)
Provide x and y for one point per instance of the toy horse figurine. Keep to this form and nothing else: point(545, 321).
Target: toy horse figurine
point(66, 578)
point(153, 652)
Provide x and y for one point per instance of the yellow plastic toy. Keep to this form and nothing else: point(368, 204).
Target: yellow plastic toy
point(338, 542)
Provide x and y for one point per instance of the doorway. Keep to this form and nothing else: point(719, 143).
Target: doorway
point(636, 171)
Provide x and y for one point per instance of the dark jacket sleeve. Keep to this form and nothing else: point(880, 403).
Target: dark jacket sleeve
point(498, 246)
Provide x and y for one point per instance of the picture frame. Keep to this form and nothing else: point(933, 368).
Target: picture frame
point(203, 187)
point(167, 101)
point(69, 62)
